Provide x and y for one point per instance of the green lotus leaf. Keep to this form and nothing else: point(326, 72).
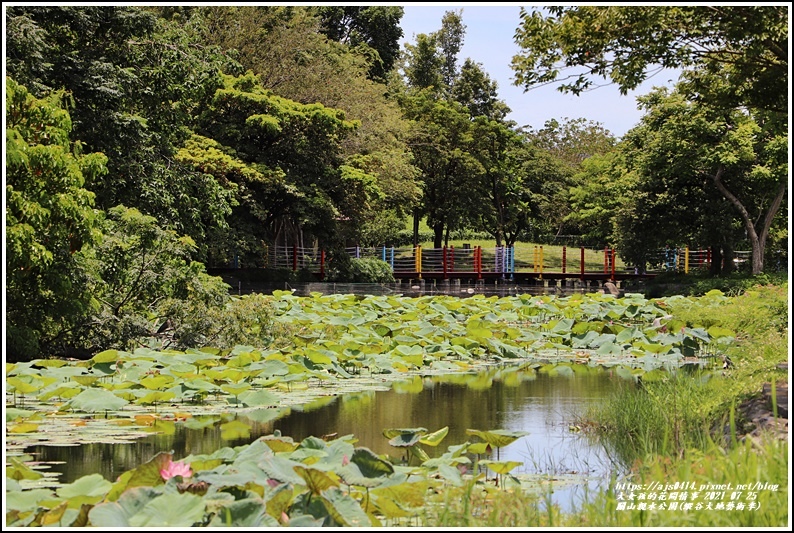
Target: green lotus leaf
point(404, 438)
point(699, 333)
point(370, 464)
point(155, 397)
point(24, 427)
point(145, 475)
point(250, 512)
point(26, 385)
point(18, 470)
point(87, 489)
point(716, 332)
point(609, 348)
point(435, 438)
point(108, 356)
point(501, 467)
point(655, 348)
point(94, 400)
point(271, 367)
point(400, 499)
point(316, 480)
point(235, 390)
point(409, 350)
point(157, 382)
point(117, 513)
point(27, 500)
point(236, 429)
point(86, 381)
point(258, 398)
point(170, 510)
point(14, 413)
point(498, 438)
point(49, 363)
point(344, 510)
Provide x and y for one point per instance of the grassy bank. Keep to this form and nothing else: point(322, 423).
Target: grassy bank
point(686, 429)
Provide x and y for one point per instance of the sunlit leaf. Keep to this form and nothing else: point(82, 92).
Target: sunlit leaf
point(108, 356)
point(498, 438)
point(316, 480)
point(236, 429)
point(404, 438)
point(500, 467)
point(250, 512)
point(93, 400)
point(435, 438)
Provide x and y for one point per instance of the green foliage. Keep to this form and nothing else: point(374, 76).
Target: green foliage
point(137, 83)
point(683, 412)
point(145, 278)
point(373, 27)
point(700, 171)
point(50, 222)
point(745, 44)
point(360, 270)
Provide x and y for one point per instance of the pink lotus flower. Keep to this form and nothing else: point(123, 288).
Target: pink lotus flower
point(175, 469)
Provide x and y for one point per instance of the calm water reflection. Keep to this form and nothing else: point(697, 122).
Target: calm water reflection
point(540, 404)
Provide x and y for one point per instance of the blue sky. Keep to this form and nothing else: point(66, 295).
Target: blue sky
point(489, 41)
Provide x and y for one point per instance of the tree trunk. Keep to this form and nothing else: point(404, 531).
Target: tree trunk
point(715, 268)
point(416, 227)
point(757, 239)
point(438, 234)
point(728, 255)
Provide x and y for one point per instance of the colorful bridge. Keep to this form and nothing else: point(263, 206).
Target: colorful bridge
point(497, 263)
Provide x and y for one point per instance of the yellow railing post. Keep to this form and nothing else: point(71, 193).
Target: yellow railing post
point(686, 260)
point(541, 262)
point(418, 260)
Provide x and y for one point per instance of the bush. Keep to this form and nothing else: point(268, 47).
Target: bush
point(343, 268)
point(145, 284)
point(371, 270)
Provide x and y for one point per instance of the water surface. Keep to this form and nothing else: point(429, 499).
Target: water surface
point(544, 406)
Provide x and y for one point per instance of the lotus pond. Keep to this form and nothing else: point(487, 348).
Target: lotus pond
point(373, 407)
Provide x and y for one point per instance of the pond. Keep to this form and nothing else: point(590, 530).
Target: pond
point(545, 406)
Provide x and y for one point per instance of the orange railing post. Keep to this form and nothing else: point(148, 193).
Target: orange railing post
point(563, 259)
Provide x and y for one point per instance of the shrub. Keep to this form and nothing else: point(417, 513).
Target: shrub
point(371, 270)
point(343, 268)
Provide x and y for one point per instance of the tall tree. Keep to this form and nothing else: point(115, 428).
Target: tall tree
point(291, 56)
point(441, 144)
point(569, 143)
point(422, 64)
point(450, 40)
point(50, 220)
point(475, 89)
point(136, 83)
point(509, 186)
point(283, 161)
point(748, 45)
point(375, 27)
point(710, 170)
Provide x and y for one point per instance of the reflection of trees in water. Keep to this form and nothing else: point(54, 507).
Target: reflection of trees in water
point(364, 415)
